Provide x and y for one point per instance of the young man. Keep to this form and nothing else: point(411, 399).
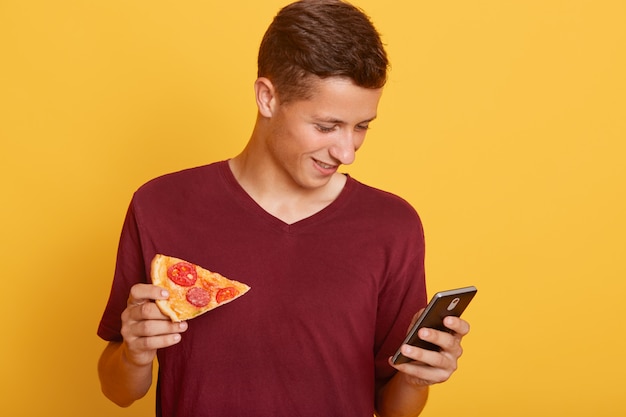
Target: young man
point(336, 267)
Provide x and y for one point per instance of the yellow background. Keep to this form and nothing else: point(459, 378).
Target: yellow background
point(503, 123)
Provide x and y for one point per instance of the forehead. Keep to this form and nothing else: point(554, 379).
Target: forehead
point(339, 98)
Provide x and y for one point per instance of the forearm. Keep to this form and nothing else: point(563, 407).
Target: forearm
point(122, 381)
point(400, 398)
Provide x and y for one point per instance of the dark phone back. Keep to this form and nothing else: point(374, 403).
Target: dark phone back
point(443, 304)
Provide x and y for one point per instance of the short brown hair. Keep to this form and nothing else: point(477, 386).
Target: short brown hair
point(324, 38)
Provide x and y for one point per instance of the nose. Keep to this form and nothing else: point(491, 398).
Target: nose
point(344, 148)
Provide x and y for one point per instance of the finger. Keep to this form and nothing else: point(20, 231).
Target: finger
point(414, 320)
point(152, 334)
point(449, 343)
point(423, 356)
point(141, 293)
point(145, 311)
point(157, 342)
point(457, 325)
point(152, 328)
point(424, 373)
point(141, 351)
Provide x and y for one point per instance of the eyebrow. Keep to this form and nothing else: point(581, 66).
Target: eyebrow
point(338, 121)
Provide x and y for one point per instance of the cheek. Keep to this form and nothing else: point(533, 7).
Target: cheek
point(296, 140)
point(283, 145)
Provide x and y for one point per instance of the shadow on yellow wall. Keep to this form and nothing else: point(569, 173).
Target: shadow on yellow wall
point(503, 123)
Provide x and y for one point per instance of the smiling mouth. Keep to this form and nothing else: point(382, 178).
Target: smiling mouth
point(324, 165)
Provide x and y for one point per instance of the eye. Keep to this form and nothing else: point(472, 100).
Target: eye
point(325, 129)
point(363, 127)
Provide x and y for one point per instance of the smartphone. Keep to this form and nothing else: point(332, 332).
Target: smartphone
point(443, 304)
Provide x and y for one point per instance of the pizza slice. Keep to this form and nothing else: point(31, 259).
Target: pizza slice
point(193, 289)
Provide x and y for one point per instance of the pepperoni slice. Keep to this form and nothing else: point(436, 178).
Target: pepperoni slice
point(183, 273)
point(226, 294)
point(198, 296)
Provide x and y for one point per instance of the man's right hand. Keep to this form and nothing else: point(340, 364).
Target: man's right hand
point(144, 328)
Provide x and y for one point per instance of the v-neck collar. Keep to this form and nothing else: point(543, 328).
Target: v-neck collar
point(238, 192)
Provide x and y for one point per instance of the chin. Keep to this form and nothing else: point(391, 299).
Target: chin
point(317, 183)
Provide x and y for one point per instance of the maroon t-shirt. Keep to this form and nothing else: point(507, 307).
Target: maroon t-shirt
point(331, 296)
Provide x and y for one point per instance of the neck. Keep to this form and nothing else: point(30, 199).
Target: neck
point(272, 189)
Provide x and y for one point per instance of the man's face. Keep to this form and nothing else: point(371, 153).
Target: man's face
point(311, 139)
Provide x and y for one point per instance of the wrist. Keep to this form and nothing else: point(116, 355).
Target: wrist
point(411, 382)
point(132, 361)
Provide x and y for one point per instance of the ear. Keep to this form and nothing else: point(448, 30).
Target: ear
point(265, 93)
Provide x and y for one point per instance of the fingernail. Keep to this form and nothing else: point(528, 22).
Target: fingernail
point(177, 338)
point(183, 325)
point(165, 294)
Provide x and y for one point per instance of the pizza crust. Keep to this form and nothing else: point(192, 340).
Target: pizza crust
point(177, 307)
